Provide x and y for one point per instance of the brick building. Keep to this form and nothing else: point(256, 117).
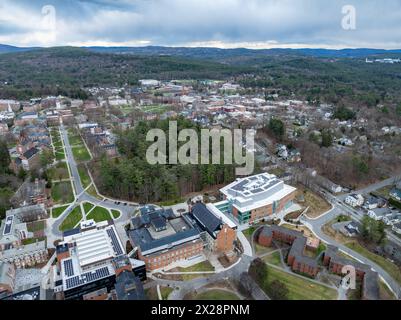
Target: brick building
point(297, 260)
point(369, 278)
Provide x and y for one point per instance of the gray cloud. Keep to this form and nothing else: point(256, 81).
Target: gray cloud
point(253, 23)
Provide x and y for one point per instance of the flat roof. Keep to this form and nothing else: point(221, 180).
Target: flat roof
point(8, 225)
point(256, 191)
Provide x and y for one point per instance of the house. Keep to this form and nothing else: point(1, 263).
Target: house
point(3, 129)
point(393, 218)
point(396, 194)
point(26, 118)
point(354, 200)
point(379, 213)
point(397, 228)
point(350, 230)
point(373, 202)
point(29, 160)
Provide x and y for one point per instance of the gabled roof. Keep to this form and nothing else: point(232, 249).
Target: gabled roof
point(30, 153)
point(206, 218)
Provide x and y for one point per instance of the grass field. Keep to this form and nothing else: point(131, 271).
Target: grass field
point(159, 109)
point(165, 292)
point(56, 212)
point(84, 176)
point(59, 172)
point(92, 192)
point(32, 240)
point(115, 213)
point(72, 219)
point(273, 258)
point(60, 155)
point(301, 288)
point(87, 206)
point(99, 214)
point(36, 226)
point(216, 294)
point(199, 267)
point(62, 192)
point(387, 265)
point(80, 153)
point(248, 232)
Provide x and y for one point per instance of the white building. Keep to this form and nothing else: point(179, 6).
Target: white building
point(354, 200)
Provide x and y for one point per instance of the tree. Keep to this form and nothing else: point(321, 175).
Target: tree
point(258, 271)
point(327, 138)
point(343, 114)
point(5, 159)
point(46, 158)
point(22, 174)
point(373, 231)
point(277, 290)
point(276, 127)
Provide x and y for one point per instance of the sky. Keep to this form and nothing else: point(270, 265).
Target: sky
point(254, 24)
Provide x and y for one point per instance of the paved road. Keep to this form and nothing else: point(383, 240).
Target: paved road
point(82, 195)
point(316, 226)
point(196, 284)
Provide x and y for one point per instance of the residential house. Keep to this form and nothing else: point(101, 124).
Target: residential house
point(354, 200)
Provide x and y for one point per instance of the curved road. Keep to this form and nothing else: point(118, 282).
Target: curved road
point(81, 194)
point(316, 226)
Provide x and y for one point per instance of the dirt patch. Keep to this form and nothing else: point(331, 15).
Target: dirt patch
point(307, 198)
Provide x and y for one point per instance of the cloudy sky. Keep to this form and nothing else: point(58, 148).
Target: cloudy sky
point(214, 23)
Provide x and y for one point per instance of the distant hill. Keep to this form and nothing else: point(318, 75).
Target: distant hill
point(242, 52)
point(217, 53)
point(9, 49)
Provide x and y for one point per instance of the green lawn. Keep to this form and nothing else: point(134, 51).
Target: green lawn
point(87, 206)
point(216, 294)
point(165, 292)
point(74, 139)
point(32, 240)
point(56, 212)
point(248, 232)
point(201, 266)
point(99, 214)
point(59, 171)
point(72, 219)
point(387, 265)
point(60, 155)
point(62, 192)
point(84, 176)
point(301, 288)
point(36, 226)
point(81, 153)
point(273, 258)
point(92, 192)
point(115, 213)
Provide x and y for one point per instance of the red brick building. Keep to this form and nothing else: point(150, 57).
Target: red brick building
point(296, 259)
